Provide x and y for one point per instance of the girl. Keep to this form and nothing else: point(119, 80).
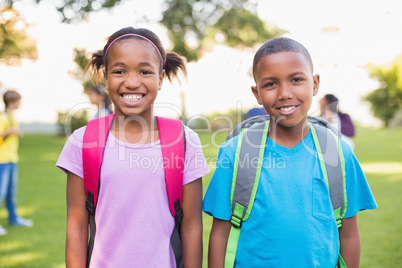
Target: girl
point(98, 96)
point(133, 220)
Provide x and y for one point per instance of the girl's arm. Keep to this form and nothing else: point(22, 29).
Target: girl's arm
point(217, 243)
point(77, 222)
point(191, 225)
point(350, 242)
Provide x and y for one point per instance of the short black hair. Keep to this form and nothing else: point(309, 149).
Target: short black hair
point(277, 45)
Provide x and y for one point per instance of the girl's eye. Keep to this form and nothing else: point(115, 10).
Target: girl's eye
point(145, 72)
point(117, 72)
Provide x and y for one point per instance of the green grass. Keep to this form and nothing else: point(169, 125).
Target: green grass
point(41, 197)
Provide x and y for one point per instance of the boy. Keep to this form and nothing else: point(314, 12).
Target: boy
point(292, 222)
point(9, 134)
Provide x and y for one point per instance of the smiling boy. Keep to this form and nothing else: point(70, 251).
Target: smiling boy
point(292, 223)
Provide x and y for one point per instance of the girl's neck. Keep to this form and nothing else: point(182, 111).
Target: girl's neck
point(288, 136)
point(135, 129)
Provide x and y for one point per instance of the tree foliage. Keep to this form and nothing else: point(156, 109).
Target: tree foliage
point(15, 43)
point(387, 99)
point(202, 21)
point(72, 10)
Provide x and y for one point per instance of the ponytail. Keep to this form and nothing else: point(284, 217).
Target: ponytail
point(173, 64)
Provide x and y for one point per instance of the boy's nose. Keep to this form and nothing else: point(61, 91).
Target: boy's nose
point(285, 92)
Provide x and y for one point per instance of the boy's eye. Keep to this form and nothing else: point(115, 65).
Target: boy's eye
point(269, 84)
point(297, 79)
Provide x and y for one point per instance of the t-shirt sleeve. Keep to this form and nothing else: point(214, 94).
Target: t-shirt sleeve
point(70, 158)
point(359, 195)
point(3, 123)
point(195, 165)
point(216, 201)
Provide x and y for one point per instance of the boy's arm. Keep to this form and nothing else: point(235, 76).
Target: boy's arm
point(350, 242)
point(77, 222)
point(218, 242)
point(191, 225)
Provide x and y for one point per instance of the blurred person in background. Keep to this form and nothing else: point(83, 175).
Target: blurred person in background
point(9, 139)
point(329, 109)
point(97, 95)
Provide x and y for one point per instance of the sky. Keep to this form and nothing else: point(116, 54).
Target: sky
point(367, 32)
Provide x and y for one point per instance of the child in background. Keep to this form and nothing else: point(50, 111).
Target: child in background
point(98, 96)
point(133, 219)
point(329, 109)
point(292, 222)
point(9, 135)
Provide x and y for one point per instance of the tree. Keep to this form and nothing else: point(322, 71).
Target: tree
point(387, 99)
point(204, 21)
point(72, 10)
point(15, 44)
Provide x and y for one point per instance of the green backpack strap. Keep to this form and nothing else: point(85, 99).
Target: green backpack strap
point(245, 182)
point(333, 168)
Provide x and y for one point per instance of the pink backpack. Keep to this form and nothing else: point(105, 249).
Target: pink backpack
point(172, 137)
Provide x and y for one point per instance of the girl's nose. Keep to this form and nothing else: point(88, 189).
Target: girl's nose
point(132, 81)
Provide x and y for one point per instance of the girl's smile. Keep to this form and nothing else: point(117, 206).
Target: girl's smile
point(132, 99)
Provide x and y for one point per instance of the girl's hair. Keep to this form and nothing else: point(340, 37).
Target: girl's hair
point(171, 62)
point(332, 102)
point(101, 90)
point(278, 45)
point(11, 96)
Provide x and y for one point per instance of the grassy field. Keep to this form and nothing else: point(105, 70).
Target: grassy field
point(41, 197)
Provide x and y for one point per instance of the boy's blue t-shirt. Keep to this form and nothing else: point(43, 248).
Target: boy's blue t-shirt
point(292, 223)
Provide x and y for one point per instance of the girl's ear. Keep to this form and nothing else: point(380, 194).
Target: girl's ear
point(256, 94)
point(104, 76)
point(316, 83)
point(161, 77)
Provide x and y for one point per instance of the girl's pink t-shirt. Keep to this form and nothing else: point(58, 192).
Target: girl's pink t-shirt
point(133, 220)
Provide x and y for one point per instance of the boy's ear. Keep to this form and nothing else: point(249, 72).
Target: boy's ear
point(256, 94)
point(161, 77)
point(316, 84)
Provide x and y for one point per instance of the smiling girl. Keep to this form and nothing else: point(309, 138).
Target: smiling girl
point(133, 221)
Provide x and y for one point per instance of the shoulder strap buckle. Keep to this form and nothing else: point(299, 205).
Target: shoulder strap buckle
point(236, 221)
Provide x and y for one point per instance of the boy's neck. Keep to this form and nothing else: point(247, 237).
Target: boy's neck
point(288, 136)
point(9, 110)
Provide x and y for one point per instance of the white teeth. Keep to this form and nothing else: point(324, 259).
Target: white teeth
point(132, 98)
point(286, 109)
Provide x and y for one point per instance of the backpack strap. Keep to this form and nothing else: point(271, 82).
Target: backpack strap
point(93, 147)
point(245, 182)
point(333, 168)
point(172, 136)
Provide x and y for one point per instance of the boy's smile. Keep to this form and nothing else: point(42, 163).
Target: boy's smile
point(285, 86)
